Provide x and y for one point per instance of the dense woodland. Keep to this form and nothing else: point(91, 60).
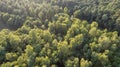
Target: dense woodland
point(59, 33)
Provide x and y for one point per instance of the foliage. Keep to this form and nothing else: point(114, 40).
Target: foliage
point(59, 33)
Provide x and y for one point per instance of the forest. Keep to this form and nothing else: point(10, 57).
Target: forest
point(59, 33)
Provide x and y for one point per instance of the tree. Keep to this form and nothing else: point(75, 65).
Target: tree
point(93, 31)
point(65, 10)
point(13, 42)
point(85, 63)
point(72, 63)
point(11, 56)
point(5, 17)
